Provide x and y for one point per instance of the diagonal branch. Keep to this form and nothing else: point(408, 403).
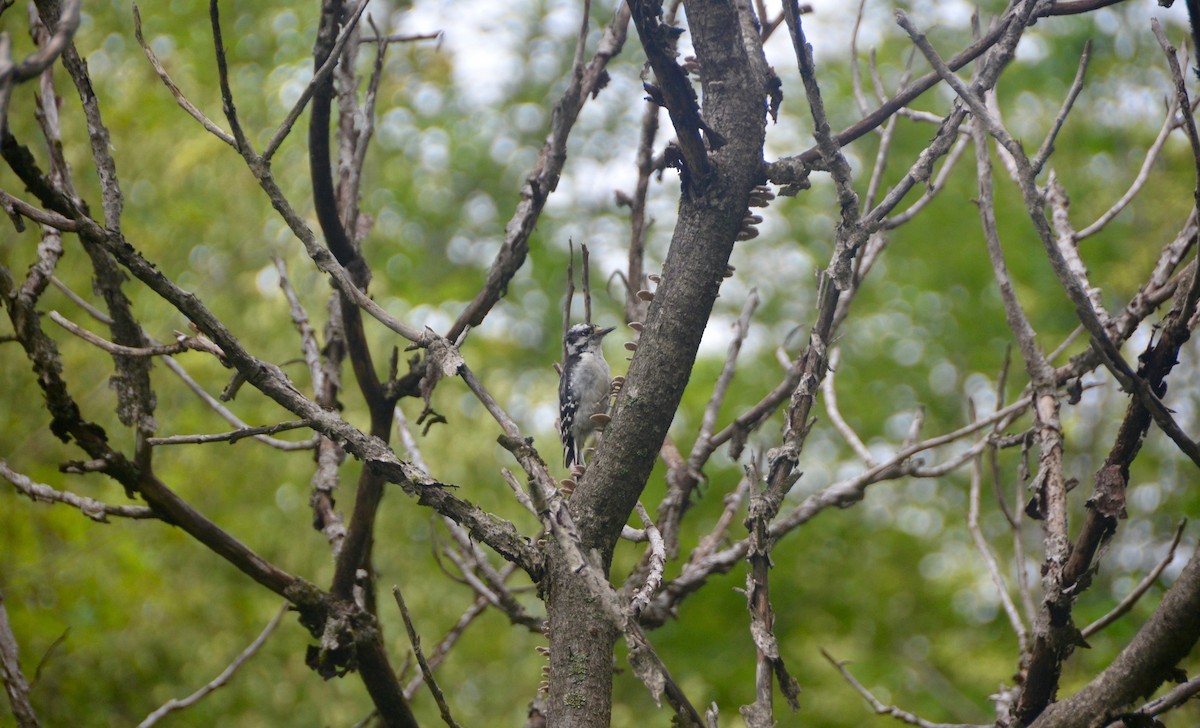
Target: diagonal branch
point(585, 83)
point(32, 66)
point(10, 674)
point(1139, 590)
point(165, 77)
point(673, 90)
point(1148, 661)
point(880, 707)
point(219, 681)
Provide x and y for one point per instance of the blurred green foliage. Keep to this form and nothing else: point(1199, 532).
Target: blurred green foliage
point(116, 619)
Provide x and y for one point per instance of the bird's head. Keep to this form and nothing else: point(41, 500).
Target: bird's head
point(585, 337)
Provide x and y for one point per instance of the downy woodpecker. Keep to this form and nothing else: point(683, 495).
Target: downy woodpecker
point(583, 389)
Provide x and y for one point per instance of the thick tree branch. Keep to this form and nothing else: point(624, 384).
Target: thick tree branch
point(1147, 662)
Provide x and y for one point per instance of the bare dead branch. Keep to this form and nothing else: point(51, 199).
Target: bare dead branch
point(568, 301)
point(1068, 245)
point(1144, 664)
point(1035, 361)
point(518, 491)
point(791, 169)
point(543, 178)
point(32, 66)
point(478, 572)
point(437, 35)
point(230, 437)
point(228, 414)
point(447, 642)
point(186, 343)
point(1034, 201)
point(673, 91)
point(165, 77)
point(989, 558)
point(1170, 123)
point(426, 671)
point(855, 72)
point(882, 709)
point(49, 252)
point(318, 252)
point(922, 170)
point(220, 680)
point(90, 507)
point(1047, 147)
point(585, 276)
point(657, 556)
point(1176, 697)
point(733, 503)
point(17, 208)
point(711, 410)
point(1075, 7)
point(308, 337)
point(81, 302)
point(835, 415)
point(840, 494)
point(684, 477)
point(319, 77)
point(10, 674)
point(1138, 591)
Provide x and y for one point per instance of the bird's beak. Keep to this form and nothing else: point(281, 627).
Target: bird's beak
point(605, 332)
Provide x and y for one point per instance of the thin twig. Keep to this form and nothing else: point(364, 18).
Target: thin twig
point(1139, 181)
point(475, 568)
point(989, 558)
point(585, 276)
point(180, 99)
point(33, 65)
point(683, 479)
point(881, 708)
point(1176, 697)
point(79, 301)
point(15, 206)
point(426, 671)
point(443, 647)
point(657, 560)
point(518, 491)
point(228, 414)
point(1047, 147)
point(308, 336)
point(319, 77)
point(1068, 245)
point(709, 421)
point(835, 415)
point(230, 437)
point(543, 178)
point(840, 494)
point(1142, 587)
point(90, 507)
point(220, 680)
point(437, 35)
point(933, 188)
point(855, 73)
point(185, 343)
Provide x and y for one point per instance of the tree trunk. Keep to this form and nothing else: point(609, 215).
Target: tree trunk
point(716, 190)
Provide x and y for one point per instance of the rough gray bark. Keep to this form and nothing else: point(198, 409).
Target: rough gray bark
point(581, 645)
point(1141, 667)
